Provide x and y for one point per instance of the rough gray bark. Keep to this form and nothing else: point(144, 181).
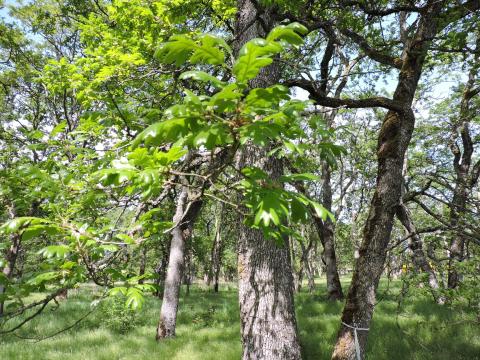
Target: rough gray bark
point(265, 281)
point(394, 137)
point(184, 218)
point(267, 314)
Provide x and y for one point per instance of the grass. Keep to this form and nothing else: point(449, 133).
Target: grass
point(208, 328)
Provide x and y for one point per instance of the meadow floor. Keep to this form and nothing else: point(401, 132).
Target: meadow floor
point(208, 328)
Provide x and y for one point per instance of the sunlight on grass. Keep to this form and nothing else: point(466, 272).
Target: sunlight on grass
point(208, 329)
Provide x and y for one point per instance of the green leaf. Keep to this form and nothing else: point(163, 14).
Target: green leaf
point(321, 211)
point(135, 298)
point(259, 132)
point(299, 211)
point(297, 27)
point(58, 129)
point(271, 208)
point(35, 230)
point(226, 99)
point(146, 287)
point(109, 247)
point(44, 277)
point(12, 226)
point(202, 76)
point(177, 50)
point(207, 52)
point(68, 265)
point(212, 136)
point(162, 132)
point(299, 177)
point(125, 238)
point(181, 48)
point(58, 251)
point(169, 157)
point(118, 290)
point(120, 172)
point(254, 173)
point(267, 98)
point(254, 55)
point(288, 34)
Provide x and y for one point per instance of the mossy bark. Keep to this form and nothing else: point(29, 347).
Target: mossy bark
point(393, 140)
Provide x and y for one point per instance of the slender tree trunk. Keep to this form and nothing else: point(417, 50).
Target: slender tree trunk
point(267, 315)
point(161, 269)
point(185, 215)
point(305, 263)
point(12, 253)
point(457, 212)
point(293, 261)
point(311, 271)
point(394, 137)
point(326, 231)
point(217, 249)
point(11, 257)
point(143, 263)
point(187, 274)
point(419, 258)
point(465, 178)
point(299, 275)
point(415, 243)
point(334, 287)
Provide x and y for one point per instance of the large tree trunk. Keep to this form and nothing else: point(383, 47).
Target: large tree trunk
point(394, 137)
point(267, 315)
point(185, 215)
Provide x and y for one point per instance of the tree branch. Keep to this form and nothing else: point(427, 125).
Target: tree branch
point(315, 94)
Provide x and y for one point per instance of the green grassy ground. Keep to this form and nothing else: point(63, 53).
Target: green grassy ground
point(208, 328)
